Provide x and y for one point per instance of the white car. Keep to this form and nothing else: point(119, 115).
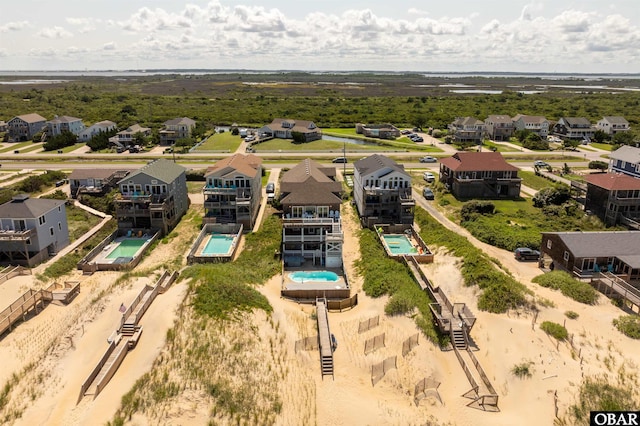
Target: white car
point(429, 177)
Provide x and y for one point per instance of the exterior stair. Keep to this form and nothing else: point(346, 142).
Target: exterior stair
point(327, 365)
point(458, 338)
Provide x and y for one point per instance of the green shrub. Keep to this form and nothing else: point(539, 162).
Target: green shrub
point(555, 330)
point(399, 304)
point(555, 195)
point(629, 325)
point(599, 394)
point(522, 370)
point(571, 314)
point(473, 208)
point(570, 287)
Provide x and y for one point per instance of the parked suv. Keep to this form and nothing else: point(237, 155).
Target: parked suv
point(339, 160)
point(525, 253)
point(429, 177)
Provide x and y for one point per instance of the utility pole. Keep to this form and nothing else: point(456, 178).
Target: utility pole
point(344, 154)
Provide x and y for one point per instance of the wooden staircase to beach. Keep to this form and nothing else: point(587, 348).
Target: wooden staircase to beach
point(324, 338)
point(459, 337)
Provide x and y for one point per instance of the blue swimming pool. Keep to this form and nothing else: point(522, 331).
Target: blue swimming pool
point(218, 244)
point(399, 244)
point(322, 276)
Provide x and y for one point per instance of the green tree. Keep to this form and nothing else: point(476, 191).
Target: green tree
point(556, 195)
point(599, 136)
point(623, 138)
point(598, 165)
point(420, 121)
point(570, 144)
point(62, 140)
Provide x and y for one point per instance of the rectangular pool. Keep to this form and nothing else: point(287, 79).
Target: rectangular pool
point(219, 244)
point(399, 244)
point(127, 248)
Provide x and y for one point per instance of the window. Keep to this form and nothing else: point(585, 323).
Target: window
point(41, 220)
point(51, 231)
point(566, 255)
point(296, 211)
point(59, 226)
point(549, 244)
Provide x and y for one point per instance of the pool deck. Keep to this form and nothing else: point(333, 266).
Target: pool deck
point(205, 241)
point(289, 284)
point(101, 258)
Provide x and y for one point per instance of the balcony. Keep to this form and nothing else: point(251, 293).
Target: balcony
point(9, 235)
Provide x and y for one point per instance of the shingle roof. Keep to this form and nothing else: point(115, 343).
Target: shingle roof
point(31, 118)
point(164, 170)
point(376, 162)
point(577, 121)
point(246, 164)
point(613, 181)
point(182, 120)
point(530, 118)
point(307, 183)
point(615, 119)
point(477, 162)
point(64, 119)
point(94, 173)
point(301, 126)
point(305, 169)
point(135, 128)
point(499, 118)
point(467, 121)
point(600, 244)
point(22, 207)
point(626, 153)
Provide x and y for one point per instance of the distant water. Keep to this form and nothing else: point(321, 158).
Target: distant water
point(141, 73)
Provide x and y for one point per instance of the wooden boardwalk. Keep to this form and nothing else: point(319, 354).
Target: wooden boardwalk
point(324, 338)
point(609, 283)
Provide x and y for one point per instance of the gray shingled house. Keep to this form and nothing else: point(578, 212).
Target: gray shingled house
point(154, 197)
point(32, 229)
point(311, 226)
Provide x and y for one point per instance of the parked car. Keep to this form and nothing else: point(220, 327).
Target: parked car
point(271, 188)
point(417, 139)
point(405, 132)
point(525, 253)
point(168, 150)
point(540, 163)
point(339, 160)
point(428, 159)
point(429, 177)
point(427, 193)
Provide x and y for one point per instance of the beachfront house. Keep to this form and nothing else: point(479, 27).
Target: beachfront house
point(612, 125)
point(178, 128)
point(95, 182)
point(614, 198)
point(32, 230)
point(382, 191)
point(233, 190)
point(153, 197)
point(499, 127)
point(467, 129)
point(480, 175)
point(283, 128)
point(64, 123)
point(311, 226)
point(576, 128)
point(128, 136)
point(625, 160)
point(24, 127)
point(100, 127)
point(584, 253)
point(533, 123)
point(381, 131)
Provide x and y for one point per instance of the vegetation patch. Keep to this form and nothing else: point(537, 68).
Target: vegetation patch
point(570, 287)
point(385, 276)
point(500, 292)
point(524, 370)
point(571, 314)
point(629, 325)
point(555, 330)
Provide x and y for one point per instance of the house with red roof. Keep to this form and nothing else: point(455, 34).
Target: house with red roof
point(480, 175)
point(614, 198)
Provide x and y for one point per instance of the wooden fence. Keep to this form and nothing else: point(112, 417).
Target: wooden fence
point(307, 344)
point(13, 271)
point(425, 387)
point(373, 344)
point(379, 370)
point(409, 344)
point(339, 305)
point(369, 324)
point(94, 373)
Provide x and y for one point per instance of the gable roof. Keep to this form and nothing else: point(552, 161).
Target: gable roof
point(477, 162)
point(576, 121)
point(377, 162)
point(302, 126)
point(533, 119)
point(133, 129)
point(615, 119)
point(467, 121)
point(613, 181)
point(600, 244)
point(103, 123)
point(164, 170)
point(500, 119)
point(23, 207)
point(182, 120)
point(31, 118)
point(248, 165)
point(627, 153)
point(64, 119)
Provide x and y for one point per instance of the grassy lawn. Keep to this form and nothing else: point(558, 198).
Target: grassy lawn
point(73, 147)
point(195, 187)
point(319, 145)
point(534, 181)
point(79, 221)
point(349, 132)
point(265, 178)
point(21, 146)
point(498, 147)
point(604, 146)
point(225, 142)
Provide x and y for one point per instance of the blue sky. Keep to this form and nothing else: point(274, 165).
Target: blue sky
point(398, 35)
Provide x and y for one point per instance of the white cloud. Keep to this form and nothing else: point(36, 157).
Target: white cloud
point(146, 19)
point(54, 32)
point(109, 46)
point(14, 26)
point(573, 21)
point(85, 24)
